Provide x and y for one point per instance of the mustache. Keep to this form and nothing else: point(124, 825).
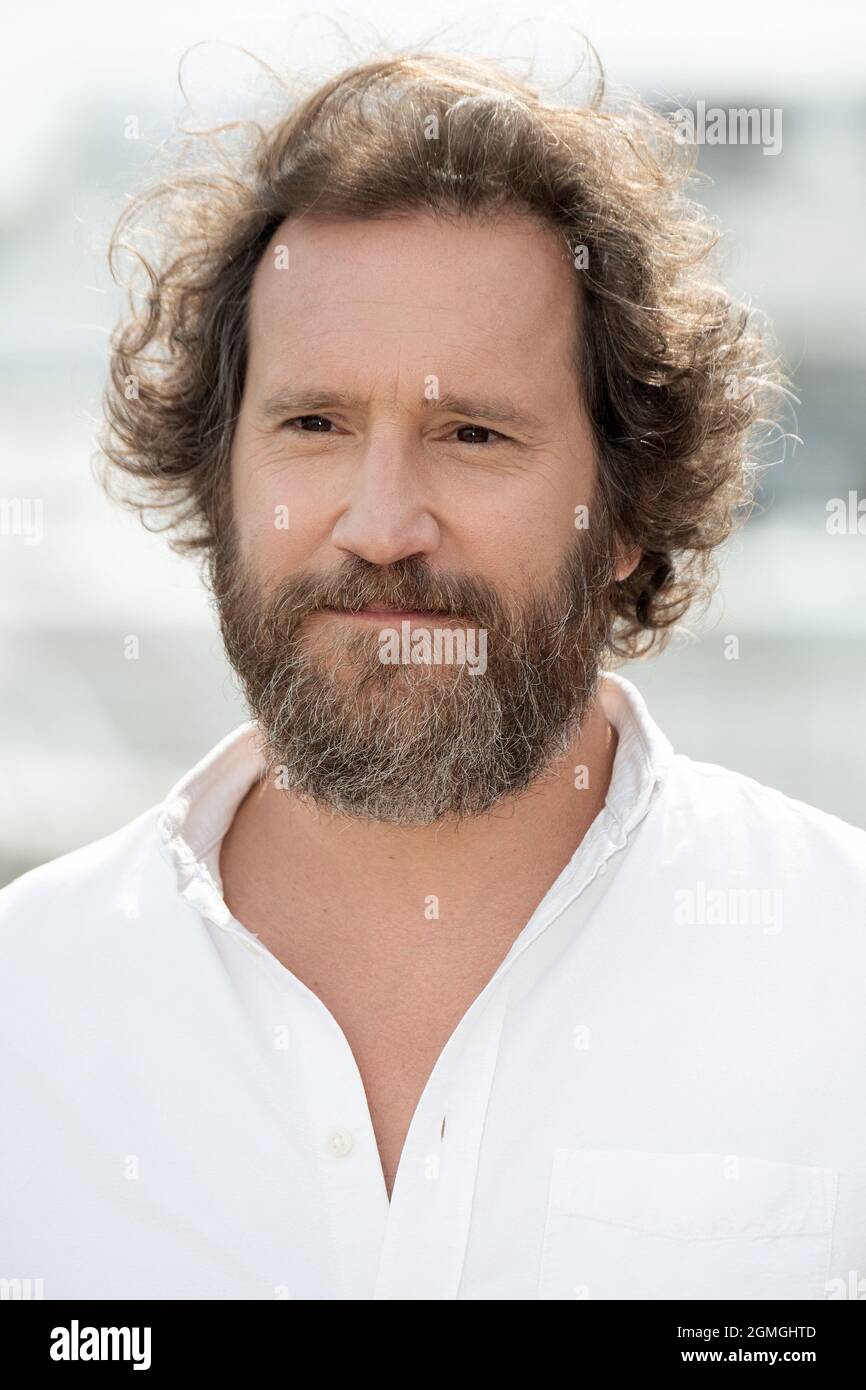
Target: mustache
point(408, 584)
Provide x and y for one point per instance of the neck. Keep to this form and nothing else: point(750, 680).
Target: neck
point(502, 861)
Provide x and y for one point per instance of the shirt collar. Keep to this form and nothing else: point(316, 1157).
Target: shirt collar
point(200, 807)
point(643, 752)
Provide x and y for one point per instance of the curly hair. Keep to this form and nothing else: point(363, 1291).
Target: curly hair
point(675, 375)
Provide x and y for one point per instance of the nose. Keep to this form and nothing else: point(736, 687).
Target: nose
point(387, 516)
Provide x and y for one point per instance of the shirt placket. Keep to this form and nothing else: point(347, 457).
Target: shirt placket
point(351, 1182)
point(431, 1203)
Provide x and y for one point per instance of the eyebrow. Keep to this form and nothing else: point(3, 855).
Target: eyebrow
point(313, 399)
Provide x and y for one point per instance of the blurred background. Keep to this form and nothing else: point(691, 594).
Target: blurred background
point(88, 738)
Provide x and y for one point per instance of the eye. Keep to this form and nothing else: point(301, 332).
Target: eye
point(301, 419)
point(321, 424)
point(481, 429)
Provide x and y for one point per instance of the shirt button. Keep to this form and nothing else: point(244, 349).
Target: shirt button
point(340, 1142)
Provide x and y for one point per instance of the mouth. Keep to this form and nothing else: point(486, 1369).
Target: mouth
point(382, 614)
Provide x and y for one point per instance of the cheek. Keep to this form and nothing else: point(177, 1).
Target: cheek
point(532, 536)
point(279, 521)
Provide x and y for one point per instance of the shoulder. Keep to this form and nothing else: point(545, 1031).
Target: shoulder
point(730, 822)
point(83, 887)
point(720, 790)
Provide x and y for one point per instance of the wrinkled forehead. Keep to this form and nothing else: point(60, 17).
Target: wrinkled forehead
point(501, 293)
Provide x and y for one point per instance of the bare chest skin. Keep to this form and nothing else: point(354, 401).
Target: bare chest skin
point(397, 1006)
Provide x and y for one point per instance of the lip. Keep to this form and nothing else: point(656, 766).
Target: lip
point(385, 615)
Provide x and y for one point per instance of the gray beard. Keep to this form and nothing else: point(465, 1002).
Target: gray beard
point(412, 744)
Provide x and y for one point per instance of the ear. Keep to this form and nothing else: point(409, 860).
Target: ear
point(627, 563)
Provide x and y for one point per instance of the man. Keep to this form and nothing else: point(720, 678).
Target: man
point(444, 976)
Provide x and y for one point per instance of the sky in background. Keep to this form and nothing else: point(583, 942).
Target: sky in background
point(58, 54)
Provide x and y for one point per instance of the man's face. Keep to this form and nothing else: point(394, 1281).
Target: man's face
point(371, 466)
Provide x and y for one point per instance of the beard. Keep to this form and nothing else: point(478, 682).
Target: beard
point(412, 744)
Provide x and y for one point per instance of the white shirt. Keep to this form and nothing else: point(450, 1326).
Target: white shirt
point(659, 1093)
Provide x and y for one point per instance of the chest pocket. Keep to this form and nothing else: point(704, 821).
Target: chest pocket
point(627, 1224)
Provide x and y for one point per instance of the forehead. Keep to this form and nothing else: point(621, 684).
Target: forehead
point(437, 294)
